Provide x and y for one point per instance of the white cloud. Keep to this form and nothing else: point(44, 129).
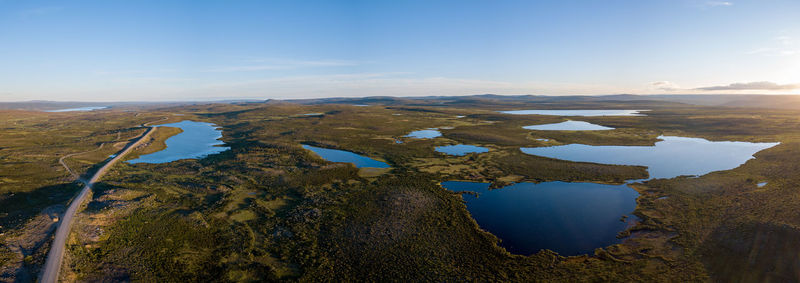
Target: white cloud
point(664, 86)
point(768, 86)
point(280, 64)
point(718, 3)
point(761, 86)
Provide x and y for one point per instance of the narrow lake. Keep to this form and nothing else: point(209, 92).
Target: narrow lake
point(568, 218)
point(567, 112)
point(198, 140)
point(335, 155)
point(670, 157)
point(568, 126)
point(424, 134)
point(461, 149)
point(82, 109)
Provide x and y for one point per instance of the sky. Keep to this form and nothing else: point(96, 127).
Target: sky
point(212, 50)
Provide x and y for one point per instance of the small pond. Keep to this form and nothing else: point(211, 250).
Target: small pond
point(568, 218)
point(761, 184)
point(335, 155)
point(670, 157)
point(567, 112)
point(197, 140)
point(569, 126)
point(424, 134)
point(82, 109)
point(461, 149)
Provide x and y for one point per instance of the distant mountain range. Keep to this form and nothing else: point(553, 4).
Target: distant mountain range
point(723, 100)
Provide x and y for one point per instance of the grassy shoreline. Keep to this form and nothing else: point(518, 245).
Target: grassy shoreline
point(269, 209)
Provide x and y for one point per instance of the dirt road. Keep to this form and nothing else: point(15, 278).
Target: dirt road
point(52, 265)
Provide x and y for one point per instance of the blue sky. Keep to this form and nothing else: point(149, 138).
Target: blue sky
point(206, 50)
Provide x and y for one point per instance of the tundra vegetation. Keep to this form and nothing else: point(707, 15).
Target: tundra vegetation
point(267, 209)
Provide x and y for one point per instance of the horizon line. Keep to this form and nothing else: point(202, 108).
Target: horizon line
point(386, 96)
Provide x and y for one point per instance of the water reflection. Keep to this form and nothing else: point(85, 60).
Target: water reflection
point(574, 112)
point(335, 155)
point(569, 218)
point(197, 140)
point(461, 149)
point(670, 157)
point(424, 134)
point(569, 126)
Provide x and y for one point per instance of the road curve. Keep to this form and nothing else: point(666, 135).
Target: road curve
point(52, 265)
point(69, 170)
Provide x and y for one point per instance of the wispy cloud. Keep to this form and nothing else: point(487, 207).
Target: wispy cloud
point(785, 40)
point(779, 46)
point(243, 68)
point(718, 3)
point(272, 64)
point(774, 51)
point(664, 86)
point(667, 86)
point(133, 72)
point(768, 86)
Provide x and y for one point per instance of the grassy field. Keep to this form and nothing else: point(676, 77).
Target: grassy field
point(269, 210)
point(35, 186)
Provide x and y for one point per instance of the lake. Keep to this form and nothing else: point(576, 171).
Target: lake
point(424, 134)
point(461, 149)
point(335, 155)
point(670, 157)
point(198, 140)
point(88, 108)
point(569, 126)
point(568, 218)
point(568, 112)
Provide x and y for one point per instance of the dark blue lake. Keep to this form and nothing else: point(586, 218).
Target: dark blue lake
point(335, 155)
point(670, 157)
point(568, 218)
point(197, 140)
point(461, 149)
